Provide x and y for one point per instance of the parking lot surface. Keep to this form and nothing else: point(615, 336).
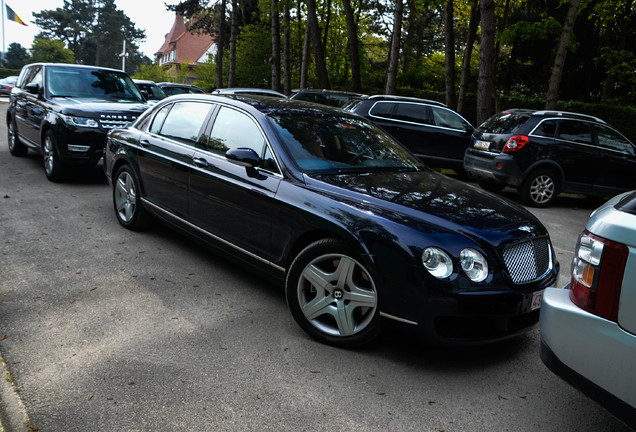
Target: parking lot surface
point(104, 329)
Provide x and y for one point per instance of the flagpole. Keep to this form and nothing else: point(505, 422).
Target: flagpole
point(3, 45)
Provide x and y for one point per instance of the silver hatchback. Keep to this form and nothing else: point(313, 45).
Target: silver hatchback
point(588, 329)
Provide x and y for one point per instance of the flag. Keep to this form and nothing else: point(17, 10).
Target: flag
point(12, 16)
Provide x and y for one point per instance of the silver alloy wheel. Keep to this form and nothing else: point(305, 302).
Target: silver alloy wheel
point(49, 155)
point(337, 295)
point(11, 134)
point(125, 197)
point(542, 189)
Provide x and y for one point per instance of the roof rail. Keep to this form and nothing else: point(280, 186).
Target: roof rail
point(407, 99)
point(570, 114)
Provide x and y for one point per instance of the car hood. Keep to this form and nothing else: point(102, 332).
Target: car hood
point(86, 107)
point(432, 202)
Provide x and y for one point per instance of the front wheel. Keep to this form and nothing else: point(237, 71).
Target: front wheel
point(332, 295)
point(540, 188)
point(127, 199)
point(52, 165)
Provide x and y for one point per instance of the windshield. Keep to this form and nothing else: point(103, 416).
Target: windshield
point(330, 143)
point(91, 83)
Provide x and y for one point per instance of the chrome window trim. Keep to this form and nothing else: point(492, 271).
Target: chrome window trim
point(415, 123)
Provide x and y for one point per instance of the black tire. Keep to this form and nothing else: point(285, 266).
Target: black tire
point(127, 199)
point(491, 185)
point(53, 167)
point(540, 188)
point(16, 148)
point(340, 307)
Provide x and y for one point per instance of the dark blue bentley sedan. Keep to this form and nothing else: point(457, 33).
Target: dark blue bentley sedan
point(354, 225)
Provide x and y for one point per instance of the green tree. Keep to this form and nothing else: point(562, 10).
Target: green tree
point(15, 57)
point(94, 30)
point(48, 50)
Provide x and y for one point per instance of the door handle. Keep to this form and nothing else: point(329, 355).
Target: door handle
point(200, 162)
point(144, 143)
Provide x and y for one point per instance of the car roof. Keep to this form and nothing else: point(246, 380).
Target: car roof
point(138, 81)
point(327, 91)
point(73, 65)
point(403, 99)
point(266, 104)
point(555, 113)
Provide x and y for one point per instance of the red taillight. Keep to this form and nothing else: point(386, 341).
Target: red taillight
point(597, 275)
point(515, 143)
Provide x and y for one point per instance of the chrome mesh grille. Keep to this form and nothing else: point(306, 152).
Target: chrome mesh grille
point(528, 261)
point(112, 124)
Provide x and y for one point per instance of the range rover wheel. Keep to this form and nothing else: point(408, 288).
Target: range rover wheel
point(332, 295)
point(127, 199)
point(15, 146)
point(540, 188)
point(52, 165)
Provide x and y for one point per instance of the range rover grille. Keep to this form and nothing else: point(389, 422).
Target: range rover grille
point(528, 261)
point(112, 124)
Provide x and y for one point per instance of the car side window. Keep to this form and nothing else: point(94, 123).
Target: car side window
point(448, 119)
point(185, 121)
point(233, 129)
point(412, 112)
point(157, 122)
point(33, 75)
point(546, 128)
point(576, 131)
point(382, 109)
point(610, 139)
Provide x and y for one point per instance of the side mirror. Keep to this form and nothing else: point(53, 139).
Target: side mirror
point(144, 94)
point(33, 88)
point(245, 157)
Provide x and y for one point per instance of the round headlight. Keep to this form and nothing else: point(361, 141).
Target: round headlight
point(437, 262)
point(474, 265)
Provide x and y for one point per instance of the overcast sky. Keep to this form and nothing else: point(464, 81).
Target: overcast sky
point(148, 15)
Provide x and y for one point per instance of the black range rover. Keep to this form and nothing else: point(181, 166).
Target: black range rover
point(64, 112)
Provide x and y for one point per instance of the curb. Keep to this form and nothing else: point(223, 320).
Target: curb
point(13, 415)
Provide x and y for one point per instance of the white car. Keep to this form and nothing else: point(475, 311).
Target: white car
point(588, 329)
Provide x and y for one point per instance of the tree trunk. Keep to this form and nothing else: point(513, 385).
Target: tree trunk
point(394, 54)
point(354, 53)
point(319, 53)
point(485, 84)
point(231, 77)
point(304, 65)
point(287, 51)
point(275, 47)
point(326, 24)
point(220, 44)
point(470, 42)
point(451, 97)
point(559, 60)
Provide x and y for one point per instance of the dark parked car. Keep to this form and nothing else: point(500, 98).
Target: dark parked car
point(150, 90)
point(335, 98)
point(6, 84)
point(64, 112)
point(177, 88)
point(543, 153)
point(436, 134)
point(357, 228)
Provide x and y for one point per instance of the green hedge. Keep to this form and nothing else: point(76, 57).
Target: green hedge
point(8, 72)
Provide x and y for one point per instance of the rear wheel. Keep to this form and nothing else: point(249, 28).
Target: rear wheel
point(52, 165)
point(16, 148)
point(127, 199)
point(332, 295)
point(540, 188)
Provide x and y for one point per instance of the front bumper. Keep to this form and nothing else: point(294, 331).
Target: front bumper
point(80, 146)
point(590, 353)
point(499, 167)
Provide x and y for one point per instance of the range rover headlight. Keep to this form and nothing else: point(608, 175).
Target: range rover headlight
point(80, 121)
point(437, 262)
point(474, 265)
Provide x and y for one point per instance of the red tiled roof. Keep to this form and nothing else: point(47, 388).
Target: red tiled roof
point(190, 46)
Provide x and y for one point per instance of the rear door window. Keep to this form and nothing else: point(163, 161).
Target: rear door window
point(185, 121)
point(414, 113)
point(575, 131)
